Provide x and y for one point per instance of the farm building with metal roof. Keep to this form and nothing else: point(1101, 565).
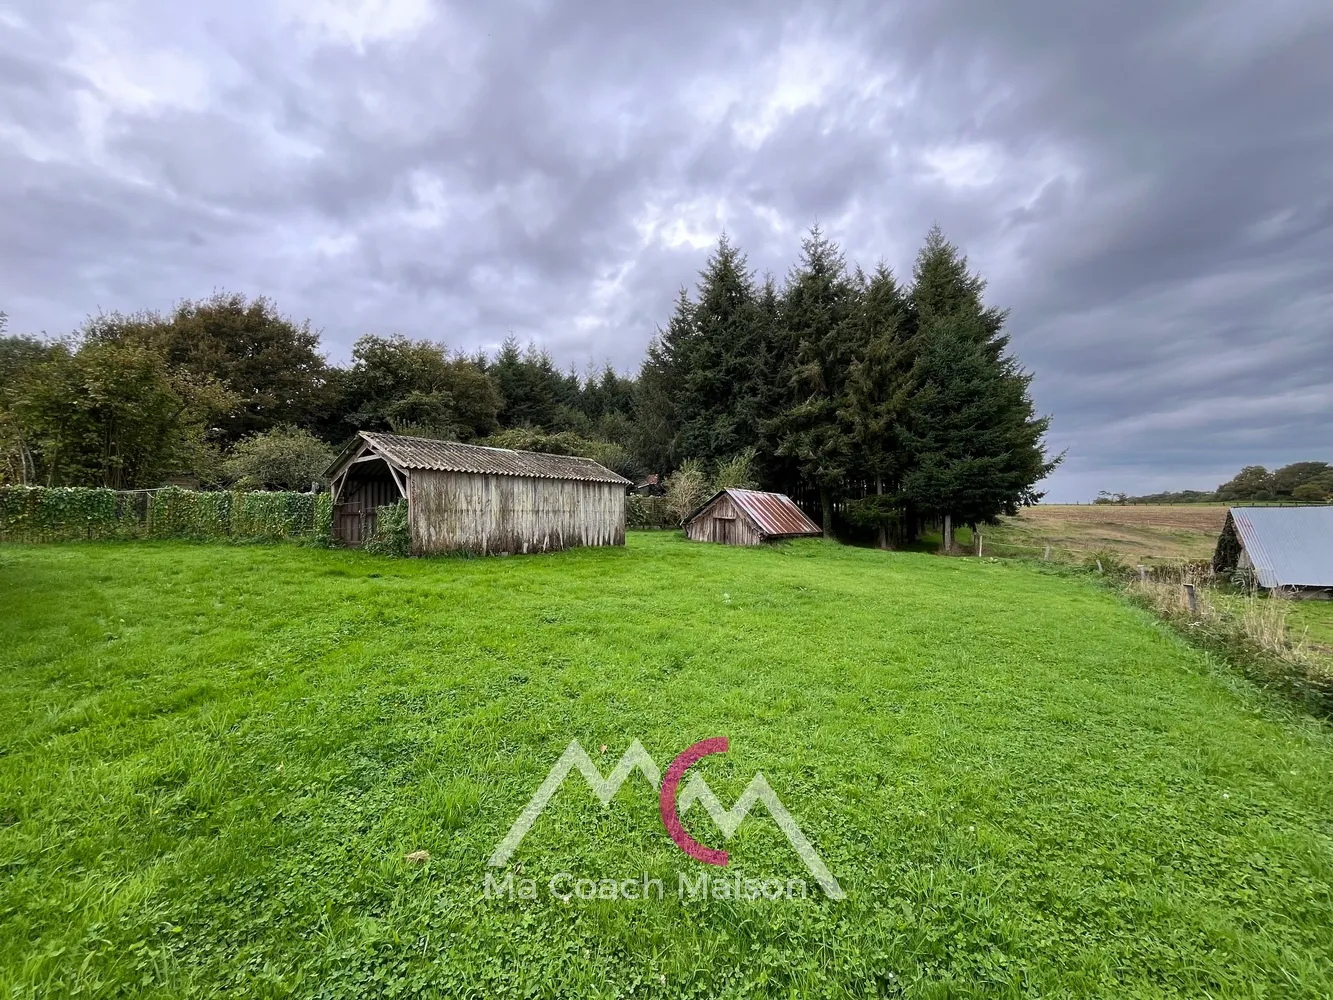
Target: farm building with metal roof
point(747, 517)
point(1286, 547)
point(465, 497)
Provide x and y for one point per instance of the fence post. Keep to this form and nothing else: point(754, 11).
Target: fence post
point(1192, 597)
point(1143, 573)
point(978, 544)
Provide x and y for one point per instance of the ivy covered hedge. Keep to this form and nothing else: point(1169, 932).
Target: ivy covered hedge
point(73, 513)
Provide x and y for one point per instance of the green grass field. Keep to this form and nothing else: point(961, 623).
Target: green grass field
point(213, 761)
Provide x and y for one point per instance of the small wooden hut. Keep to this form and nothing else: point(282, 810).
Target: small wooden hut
point(748, 517)
point(463, 497)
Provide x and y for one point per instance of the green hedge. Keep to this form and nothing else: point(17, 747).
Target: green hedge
point(74, 513)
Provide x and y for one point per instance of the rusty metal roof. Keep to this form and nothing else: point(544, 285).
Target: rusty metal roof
point(774, 514)
point(1289, 546)
point(452, 456)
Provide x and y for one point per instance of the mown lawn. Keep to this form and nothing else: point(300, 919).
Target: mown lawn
point(214, 759)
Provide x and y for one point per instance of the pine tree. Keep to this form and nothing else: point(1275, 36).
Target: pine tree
point(659, 388)
point(719, 416)
point(975, 442)
point(879, 390)
point(819, 303)
point(771, 391)
point(942, 286)
point(533, 390)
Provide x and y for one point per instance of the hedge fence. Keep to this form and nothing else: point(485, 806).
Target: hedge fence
point(76, 513)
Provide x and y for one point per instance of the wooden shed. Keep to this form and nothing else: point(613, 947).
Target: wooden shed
point(748, 517)
point(464, 497)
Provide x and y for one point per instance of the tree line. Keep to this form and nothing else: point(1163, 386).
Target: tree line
point(1300, 482)
point(894, 404)
point(228, 391)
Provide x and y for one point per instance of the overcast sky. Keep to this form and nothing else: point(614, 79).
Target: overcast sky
point(1147, 184)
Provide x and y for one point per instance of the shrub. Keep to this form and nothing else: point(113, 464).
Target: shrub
point(687, 488)
point(1106, 561)
point(737, 472)
point(393, 536)
point(1310, 493)
point(284, 458)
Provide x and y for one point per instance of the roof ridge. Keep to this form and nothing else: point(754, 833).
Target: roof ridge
point(483, 447)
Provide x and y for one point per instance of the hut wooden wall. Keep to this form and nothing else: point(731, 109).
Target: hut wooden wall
point(452, 511)
point(722, 522)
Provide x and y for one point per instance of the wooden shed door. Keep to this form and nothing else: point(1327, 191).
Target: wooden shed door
point(354, 517)
point(354, 522)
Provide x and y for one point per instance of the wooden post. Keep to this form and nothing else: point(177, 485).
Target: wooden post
point(948, 533)
point(1099, 565)
point(978, 544)
point(1047, 554)
point(1192, 597)
point(1143, 573)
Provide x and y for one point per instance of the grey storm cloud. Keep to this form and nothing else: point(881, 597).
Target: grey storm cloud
point(1147, 185)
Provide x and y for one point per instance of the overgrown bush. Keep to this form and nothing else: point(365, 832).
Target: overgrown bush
point(284, 458)
point(1108, 562)
point(324, 518)
point(737, 472)
point(392, 536)
point(687, 488)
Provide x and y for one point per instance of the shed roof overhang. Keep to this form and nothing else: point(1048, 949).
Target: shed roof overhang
point(362, 452)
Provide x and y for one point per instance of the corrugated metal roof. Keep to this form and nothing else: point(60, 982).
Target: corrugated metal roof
point(451, 456)
point(774, 514)
point(1289, 546)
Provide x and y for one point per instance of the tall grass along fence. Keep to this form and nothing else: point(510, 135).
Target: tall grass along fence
point(1248, 628)
point(75, 513)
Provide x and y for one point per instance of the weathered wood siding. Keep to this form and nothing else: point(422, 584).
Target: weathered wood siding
point(722, 522)
point(459, 511)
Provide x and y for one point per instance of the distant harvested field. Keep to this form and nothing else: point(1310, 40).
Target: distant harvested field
point(1189, 517)
point(1147, 533)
